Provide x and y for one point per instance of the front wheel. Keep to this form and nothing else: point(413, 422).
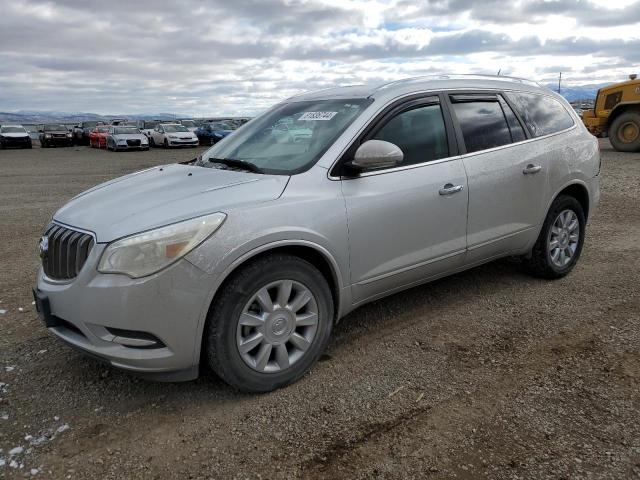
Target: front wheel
point(624, 133)
point(166, 143)
point(559, 244)
point(270, 323)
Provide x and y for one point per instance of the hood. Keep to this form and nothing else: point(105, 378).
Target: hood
point(15, 135)
point(162, 195)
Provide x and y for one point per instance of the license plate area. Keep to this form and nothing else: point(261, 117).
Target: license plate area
point(43, 308)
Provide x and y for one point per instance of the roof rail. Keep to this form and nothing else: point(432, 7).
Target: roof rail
point(458, 76)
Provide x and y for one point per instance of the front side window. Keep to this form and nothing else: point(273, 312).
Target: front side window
point(420, 133)
point(543, 115)
point(483, 124)
point(313, 126)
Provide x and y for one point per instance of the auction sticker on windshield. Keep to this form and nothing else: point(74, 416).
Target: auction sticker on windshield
point(317, 116)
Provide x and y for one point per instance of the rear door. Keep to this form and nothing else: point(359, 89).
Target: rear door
point(408, 223)
point(507, 177)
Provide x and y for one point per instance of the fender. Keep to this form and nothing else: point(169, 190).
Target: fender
point(553, 197)
point(343, 297)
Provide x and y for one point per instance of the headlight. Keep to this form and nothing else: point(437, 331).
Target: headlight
point(68, 135)
point(149, 252)
point(47, 135)
point(172, 136)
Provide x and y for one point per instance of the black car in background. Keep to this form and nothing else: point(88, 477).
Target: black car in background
point(14, 136)
point(55, 134)
point(81, 132)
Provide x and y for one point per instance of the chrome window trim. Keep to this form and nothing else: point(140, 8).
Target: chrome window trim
point(446, 159)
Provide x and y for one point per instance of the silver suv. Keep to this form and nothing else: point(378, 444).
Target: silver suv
point(243, 260)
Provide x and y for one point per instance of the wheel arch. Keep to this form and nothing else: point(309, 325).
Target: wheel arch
point(620, 109)
point(309, 251)
point(578, 191)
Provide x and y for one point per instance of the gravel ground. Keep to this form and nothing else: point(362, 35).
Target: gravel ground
point(486, 374)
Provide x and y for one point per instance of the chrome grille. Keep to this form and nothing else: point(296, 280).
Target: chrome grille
point(133, 143)
point(66, 253)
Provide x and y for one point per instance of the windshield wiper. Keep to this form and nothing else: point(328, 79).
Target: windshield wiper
point(234, 163)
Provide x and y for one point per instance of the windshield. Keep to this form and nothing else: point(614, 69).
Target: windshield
point(12, 130)
point(89, 124)
point(151, 124)
point(126, 130)
point(175, 128)
point(102, 129)
point(55, 128)
point(188, 123)
point(289, 138)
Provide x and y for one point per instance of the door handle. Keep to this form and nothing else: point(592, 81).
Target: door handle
point(450, 189)
point(531, 168)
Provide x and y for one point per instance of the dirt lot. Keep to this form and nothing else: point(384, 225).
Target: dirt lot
point(487, 374)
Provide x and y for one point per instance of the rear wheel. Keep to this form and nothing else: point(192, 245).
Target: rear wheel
point(624, 132)
point(559, 244)
point(270, 323)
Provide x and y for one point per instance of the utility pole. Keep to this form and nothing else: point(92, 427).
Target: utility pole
point(559, 82)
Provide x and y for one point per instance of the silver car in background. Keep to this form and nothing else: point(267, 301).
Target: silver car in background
point(245, 259)
point(126, 137)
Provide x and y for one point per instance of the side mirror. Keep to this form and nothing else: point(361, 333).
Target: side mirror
point(375, 154)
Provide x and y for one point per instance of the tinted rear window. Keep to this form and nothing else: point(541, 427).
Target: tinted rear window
point(483, 125)
point(543, 115)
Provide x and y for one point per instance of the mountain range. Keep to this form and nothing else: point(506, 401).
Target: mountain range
point(571, 93)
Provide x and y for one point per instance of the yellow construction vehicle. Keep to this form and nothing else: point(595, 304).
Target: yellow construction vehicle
point(617, 115)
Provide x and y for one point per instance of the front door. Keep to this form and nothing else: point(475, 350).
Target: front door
point(408, 223)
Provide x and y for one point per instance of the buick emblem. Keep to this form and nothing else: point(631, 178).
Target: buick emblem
point(43, 246)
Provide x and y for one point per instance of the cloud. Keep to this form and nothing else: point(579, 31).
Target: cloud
point(237, 57)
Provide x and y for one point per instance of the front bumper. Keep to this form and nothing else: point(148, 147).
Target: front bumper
point(23, 142)
point(182, 143)
point(68, 141)
point(168, 306)
point(126, 146)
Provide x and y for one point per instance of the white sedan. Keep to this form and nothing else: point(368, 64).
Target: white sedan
point(173, 135)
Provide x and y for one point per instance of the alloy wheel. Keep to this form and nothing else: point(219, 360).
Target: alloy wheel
point(277, 326)
point(564, 236)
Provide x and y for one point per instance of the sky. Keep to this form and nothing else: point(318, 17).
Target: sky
point(238, 57)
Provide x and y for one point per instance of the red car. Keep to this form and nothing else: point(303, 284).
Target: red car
point(98, 137)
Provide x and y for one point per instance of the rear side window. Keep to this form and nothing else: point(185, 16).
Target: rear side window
point(420, 133)
point(543, 115)
point(517, 132)
point(483, 124)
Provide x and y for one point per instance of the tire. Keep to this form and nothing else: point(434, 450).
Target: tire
point(165, 144)
point(567, 249)
point(43, 144)
point(624, 132)
point(152, 143)
point(223, 334)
